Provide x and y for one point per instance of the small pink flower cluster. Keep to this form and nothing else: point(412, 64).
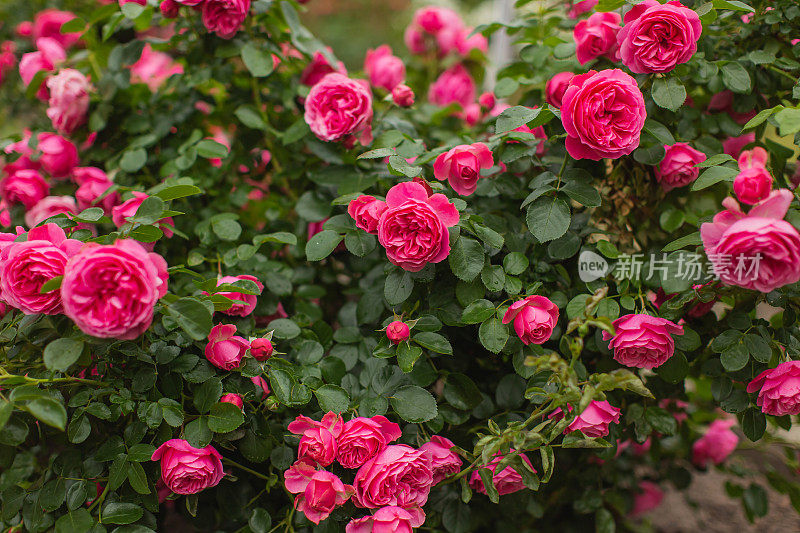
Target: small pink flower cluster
point(223, 17)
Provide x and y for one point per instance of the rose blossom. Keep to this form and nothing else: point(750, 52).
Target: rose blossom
point(647, 498)
point(261, 349)
point(595, 419)
point(48, 23)
point(235, 399)
point(506, 481)
point(444, 461)
point(389, 519)
point(413, 228)
point(733, 145)
point(716, 445)
point(779, 389)
point(678, 166)
point(224, 349)
point(754, 182)
point(261, 384)
point(397, 332)
point(186, 469)
point(384, 69)
point(403, 96)
point(225, 17)
point(154, 68)
point(48, 54)
point(69, 100)
point(338, 106)
point(461, 166)
point(603, 113)
point(318, 68)
point(760, 233)
point(454, 85)
point(597, 37)
point(366, 211)
point(58, 156)
point(128, 208)
point(322, 493)
point(657, 38)
point(25, 186)
point(318, 441)
point(466, 43)
point(110, 290)
point(92, 184)
point(579, 8)
point(240, 309)
point(50, 206)
point(169, 9)
point(534, 319)
point(555, 88)
point(723, 102)
point(642, 341)
point(434, 24)
point(362, 439)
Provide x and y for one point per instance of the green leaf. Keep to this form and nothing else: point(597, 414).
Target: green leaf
point(177, 191)
point(659, 131)
point(60, 354)
point(257, 61)
point(693, 239)
point(414, 404)
point(734, 5)
point(211, 149)
point(493, 334)
point(133, 160)
point(360, 243)
point(477, 312)
point(284, 328)
point(260, 521)
point(398, 287)
point(332, 398)
point(407, 356)
point(758, 348)
point(514, 117)
point(192, 316)
point(121, 513)
point(736, 78)
point(399, 166)
point(466, 258)
point(669, 93)
point(675, 369)
point(6, 408)
point(224, 417)
point(754, 424)
point(762, 115)
point(322, 244)
point(735, 357)
point(207, 394)
point(714, 160)
point(287, 389)
point(582, 192)
point(461, 392)
point(788, 121)
point(51, 284)
point(249, 116)
point(548, 218)
point(137, 478)
point(50, 411)
point(434, 342)
point(77, 520)
point(226, 229)
point(515, 263)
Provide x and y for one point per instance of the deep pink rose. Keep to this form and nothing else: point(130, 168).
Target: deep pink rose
point(779, 389)
point(534, 319)
point(48, 23)
point(366, 211)
point(240, 309)
point(647, 498)
point(225, 17)
point(224, 349)
point(506, 481)
point(716, 445)
point(110, 290)
point(678, 166)
point(723, 102)
point(50, 206)
point(733, 145)
point(58, 156)
point(128, 208)
point(436, 28)
point(188, 470)
point(154, 68)
point(48, 55)
point(318, 68)
point(26, 266)
point(389, 519)
point(657, 38)
point(603, 113)
point(397, 332)
point(413, 228)
point(597, 36)
point(383, 68)
point(25, 186)
point(322, 494)
point(595, 419)
point(362, 439)
point(754, 182)
point(759, 250)
point(444, 461)
point(461, 166)
point(403, 95)
point(235, 399)
point(92, 185)
point(318, 441)
point(169, 8)
point(642, 341)
point(338, 106)
point(556, 87)
point(261, 349)
point(579, 8)
point(69, 100)
point(454, 85)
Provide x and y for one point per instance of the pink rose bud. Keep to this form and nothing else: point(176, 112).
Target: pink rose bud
point(318, 68)
point(716, 445)
point(224, 349)
point(534, 319)
point(778, 389)
point(461, 166)
point(466, 43)
point(24, 29)
point(337, 107)
point(397, 332)
point(487, 100)
point(597, 37)
point(678, 169)
point(424, 183)
point(225, 17)
point(384, 69)
point(444, 461)
point(318, 441)
point(454, 85)
point(366, 211)
point(48, 23)
point(188, 470)
point(261, 349)
point(235, 399)
point(403, 96)
point(595, 419)
point(642, 341)
point(555, 88)
point(318, 492)
point(169, 9)
point(506, 481)
point(362, 439)
point(92, 184)
point(754, 182)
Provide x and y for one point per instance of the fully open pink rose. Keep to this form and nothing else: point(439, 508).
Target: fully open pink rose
point(249, 300)
point(678, 166)
point(92, 185)
point(128, 208)
point(595, 419)
point(186, 469)
point(338, 106)
point(366, 211)
point(642, 341)
point(225, 17)
point(506, 481)
point(603, 113)
point(48, 23)
point(758, 250)
point(647, 498)
point(398, 331)
point(444, 461)
point(25, 186)
point(48, 207)
point(383, 68)
point(389, 519)
point(754, 182)
point(58, 156)
point(534, 318)
point(556, 87)
point(413, 228)
point(69, 100)
point(399, 475)
point(779, 389)
point(716, 445)
point(362, 439)
point(318, 68)
point(657, 38)
point(318, 441)
point(461, 166)
point(224, 349)
point(154, 68)
point(110, 290)
point(454, 85)
point(597, 36)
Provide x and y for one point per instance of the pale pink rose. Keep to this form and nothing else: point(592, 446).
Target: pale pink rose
point(128, 208)
point(579, 8)
point(92, 185)
point(556, 87)
point(318, 441)
point(48, 55)
point(760, 236)
point(225, 17)
point(647, 498)
point(403, 96)
point(225, 349)
point(48, 207)
point(595, 419)
point(318, 68)
point(69, 100)
point(337, 107)
point(57, 155)
point(154, 68)
point(466, 43)
point(754, 182)
point(188, 470)
point(461, 166)
point(362, 439)
point(506, 481)
point(366, 211)
point(444, 461)
point(642, 341)
point(716, 445)
point(26, 266)
point(235, 399)
point(657, 38)
point(261, 349)
point(322, 494)
point(733, 145)
point(597, 36)
point(454, 85)
point(383, 68)
point(389, 519)
point(413, 228)
point(397, 332)
point(25, 186)
point(779, 389)
point(110, 290)
point(678, 166)
point(534, 319)
point(240, 309)
point(603, 113)
point(48, 23)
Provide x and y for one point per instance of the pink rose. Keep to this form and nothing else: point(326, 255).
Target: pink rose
point(413, 228)
point(678, 166)
point(169, 9)
point(318, 441)
point(487, 100)
point(338, 106)
point(235, 399)
point(461, 166)
point(642, 341)
point(556, 87)
point(240, 309)
point(48, 23)
point(534, 319)
point(225, 17)
point(434, 27)
point(466, 43)
point(403, 96)
point(389, 519)
point(454, 85)
point(723, 101)
point(26, 266)
point(579, 8)
point(26, 187)
point(110, 290)
point(597, 37)
point(366, 211)
point(318, 68)
point(322, 493)
point(50, 206)
point(49, 53)
point(647, 498)
point(397, 332)
point(603, 113)
point(506, 481)
point(384, 69)
point(92, 185)
point(128, 208)
point(657, 38)
point(779, 389)
point(444, 461)
point(261, 385)
point(716, 445)
point(261, 349)
point(188, 470)
point(362, 439)
point(595, 419)
point(224, 349)
point(733, 145)
point(759, 250)
point(754, 182)
point(154, 68)
point(58, 156)
point(69, 100)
